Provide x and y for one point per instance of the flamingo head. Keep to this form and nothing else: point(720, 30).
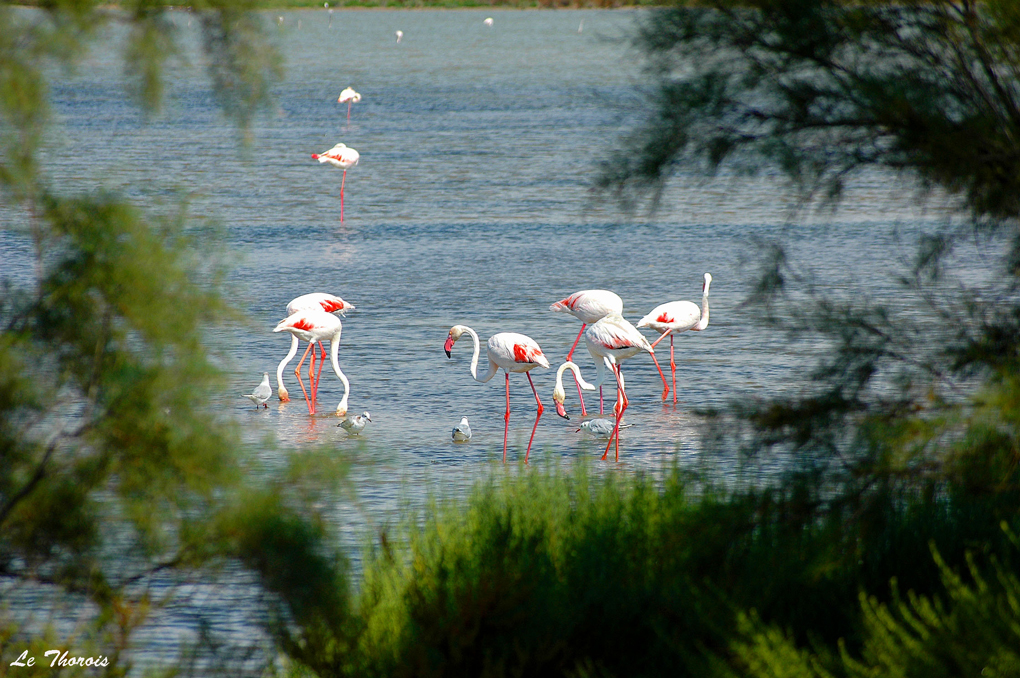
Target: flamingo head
point(284, 394)
point(341, 409)
point(708, 281)
point(558, 397)
point(451, 338)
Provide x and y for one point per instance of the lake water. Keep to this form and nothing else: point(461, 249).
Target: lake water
point(470, 205)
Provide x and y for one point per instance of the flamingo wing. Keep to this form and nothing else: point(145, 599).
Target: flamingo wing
point(510, 350)
point(614, 332)
point(674, 315)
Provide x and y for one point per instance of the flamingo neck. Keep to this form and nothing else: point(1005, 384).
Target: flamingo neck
point(703, 323)
point(283, 363)
point(474, 357)
point(334, 347)
point(568, 365)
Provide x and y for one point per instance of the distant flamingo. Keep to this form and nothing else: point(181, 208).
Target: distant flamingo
point(677, 316)
point(614, 340)
point(316, 326)
point(400, 35)
point(488, 21)
point(343, 157)
point(349, 96)
point(306, 302)
point(588, 306)
point(510, 352)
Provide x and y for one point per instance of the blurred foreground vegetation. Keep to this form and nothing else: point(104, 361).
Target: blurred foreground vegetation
point(888, 546)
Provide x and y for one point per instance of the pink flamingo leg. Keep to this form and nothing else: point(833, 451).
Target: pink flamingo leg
point(311, 378)
point(506, 418)
point(576, 382)
point(665, 385)
point(537, 416)
point(621, 405)
point(348, 112)
point(602, 406)
point(672, 366)
point(342, 182)
point(297, 373)
point(318, 376)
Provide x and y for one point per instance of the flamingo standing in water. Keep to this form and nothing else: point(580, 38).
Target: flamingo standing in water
point(349, 96)
point(677, 316)
point(588, 306)
point(307, 302)
point(510, 352)
point(612, 340)
point(316, 326)
point(343, 157)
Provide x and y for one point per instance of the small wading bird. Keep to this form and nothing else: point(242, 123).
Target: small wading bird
point(510, 352)
point(357, 424)
point(462, 431)
point(307, 302)
point(316, 326)
point(261, 393)
point(673, 317)
point(349, 96)
point(613, 340)
point(588, 306)
point(600, 428)
point(343, 157)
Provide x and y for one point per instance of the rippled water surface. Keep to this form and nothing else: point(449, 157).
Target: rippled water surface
point(470, 205)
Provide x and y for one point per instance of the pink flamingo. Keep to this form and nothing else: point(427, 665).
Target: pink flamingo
point(343, 157)
point(612, 340)
point(316, 326)
point(307, 302)
point(349, 96)
point(677, 316)
point(510, 352)
point(588, 306)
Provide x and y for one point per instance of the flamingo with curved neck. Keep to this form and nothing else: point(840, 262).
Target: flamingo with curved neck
point(510, 352)
point(306, 302)
point(559, 394)
point(674, 317)
point(588, 306)
point(317, 326)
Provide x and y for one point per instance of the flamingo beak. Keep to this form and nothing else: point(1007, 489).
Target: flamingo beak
point(449, 345)
point(560, 410)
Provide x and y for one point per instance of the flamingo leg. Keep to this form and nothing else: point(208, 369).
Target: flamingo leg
point(665, 385)
point(318, 376)
point(661, 337)
point(576, 382)
point(602, 406)
point(672, 367)
point(537, 416)
point(348, 112)
point(311, 378)
point(621, 405)
point(342, 182)
point(506, 417)
point(308, 401)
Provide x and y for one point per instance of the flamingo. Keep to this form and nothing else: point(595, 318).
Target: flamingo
point(307, 302)
point(261, 393)
point(559, 394)
point(343, 157)
point(316, 326)
point(677, 316)
point(488, 21)
point(399, 34)
point(613, 339)
point(349, 96)
point(588, 306)
point(510, 352)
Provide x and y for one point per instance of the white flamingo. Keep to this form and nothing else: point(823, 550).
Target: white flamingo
point(677, 316)
point(344, 158)
point(613, 340)
point(559, 394)
point(510, 352)
point(588, 306)
point(307, 302)
point(316, 326)
point(349, 96)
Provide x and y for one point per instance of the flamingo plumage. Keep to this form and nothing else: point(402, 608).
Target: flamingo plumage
point(588, 306)
point(674, 317)
point(349, 96)
point(511, 352)
point(343, 157)
point(317, 326)
point(329, 303)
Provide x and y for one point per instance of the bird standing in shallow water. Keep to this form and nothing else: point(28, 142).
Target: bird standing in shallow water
point(343, 157)
point(677, 316)
point(600, 428)
point(588, 306)
point(510, 352)
point(316, 326)
point(355, 425)
point(349, 96)
point(261, 393)
point(462, 431)
point(308, 302)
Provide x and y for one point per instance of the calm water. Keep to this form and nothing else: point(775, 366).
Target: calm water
point(470, 205)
